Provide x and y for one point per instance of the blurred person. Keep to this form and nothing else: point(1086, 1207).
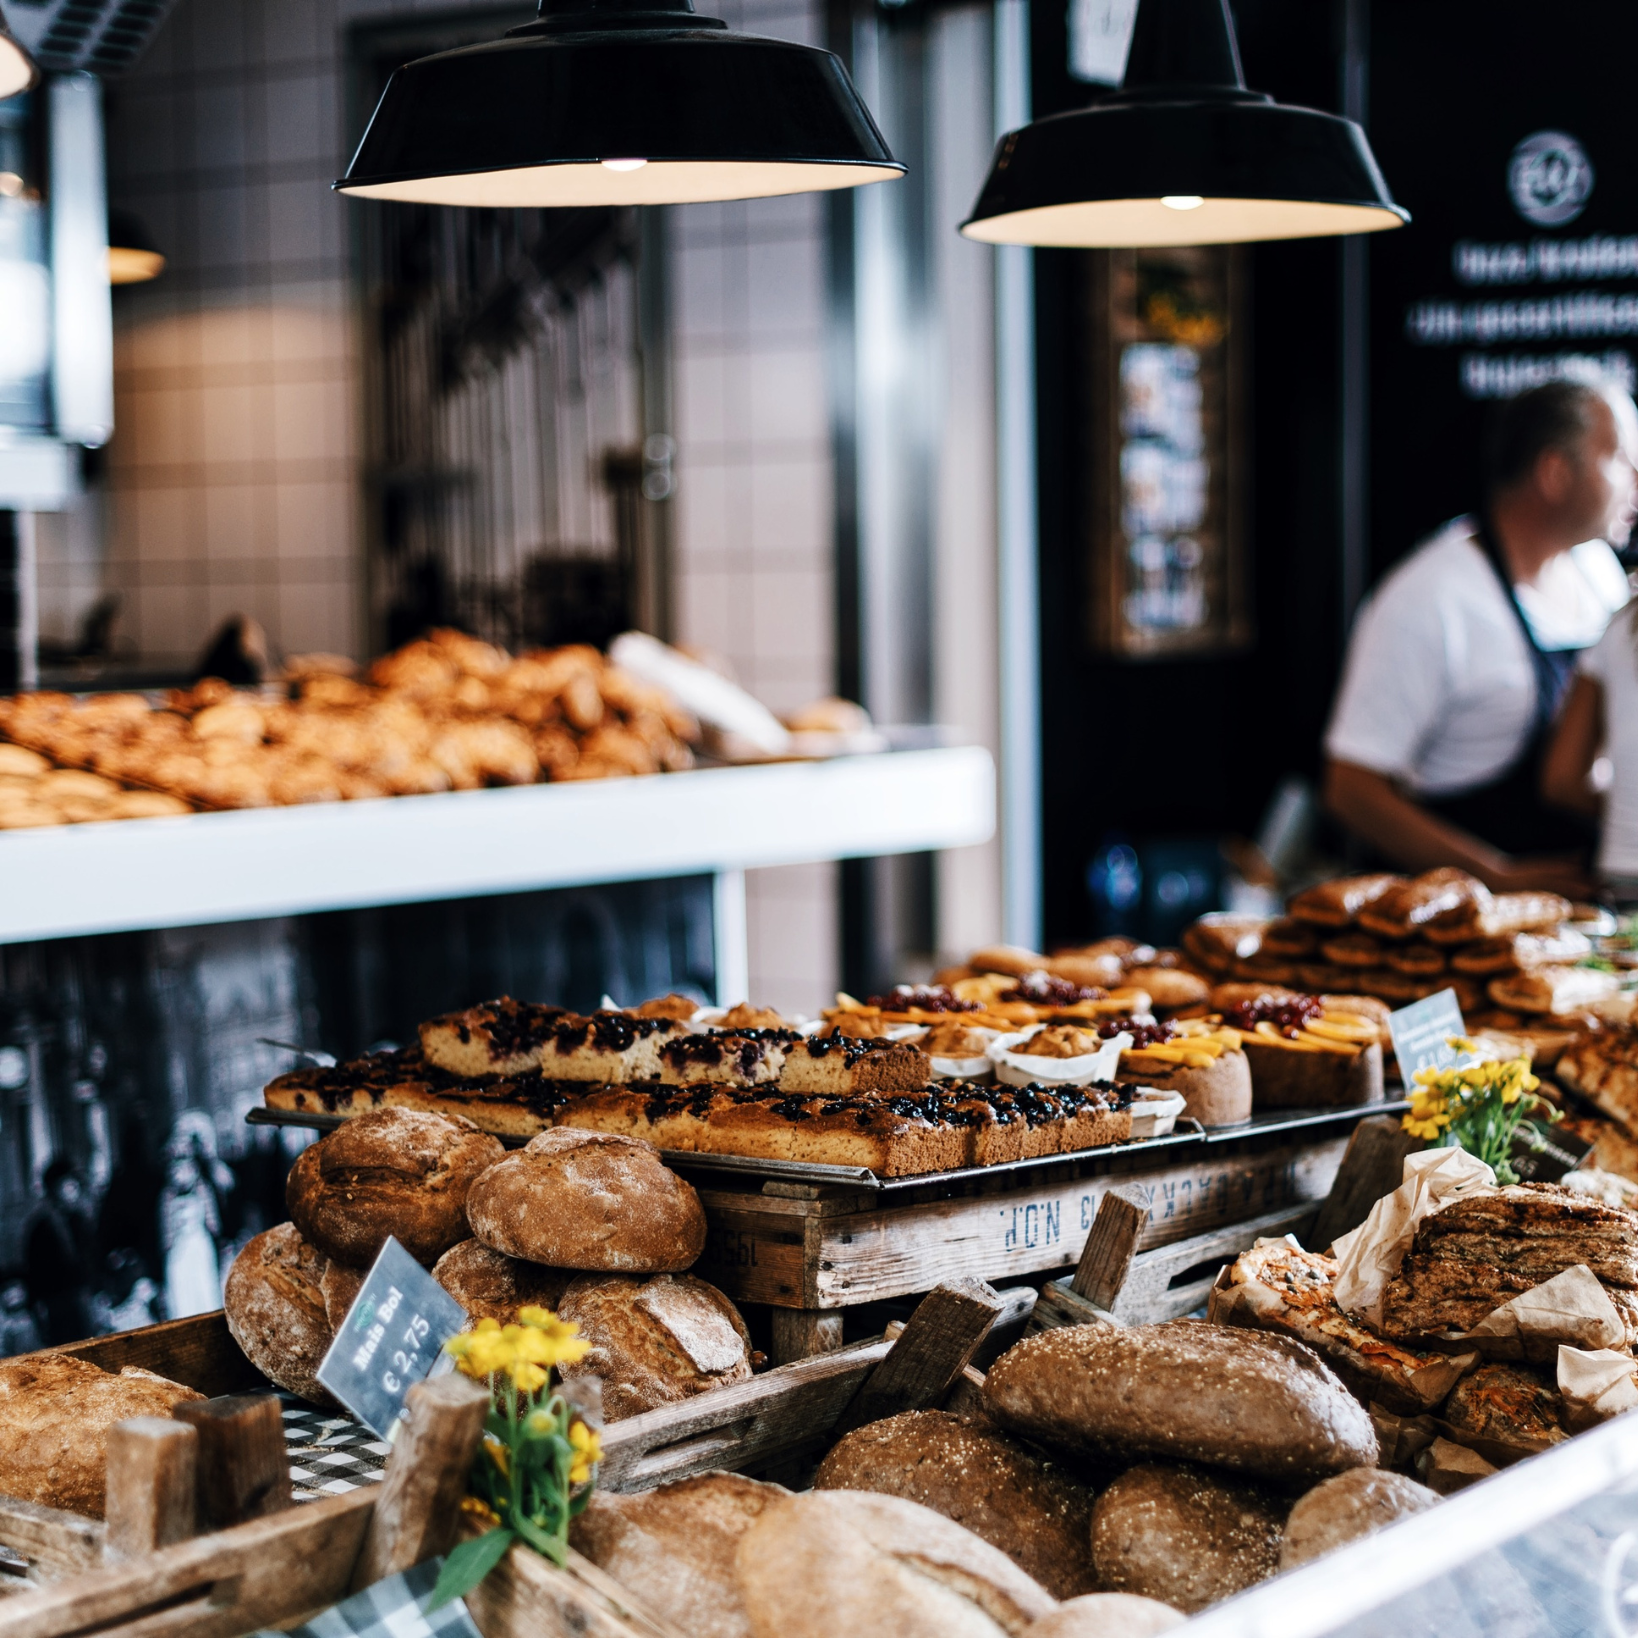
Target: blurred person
point(19, 1334)
point(1460, 661)
point(188, 1226)
point(130, 1296)
point(61, 1242)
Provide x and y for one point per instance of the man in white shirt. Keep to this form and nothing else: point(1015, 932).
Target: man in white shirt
point(1459, 661)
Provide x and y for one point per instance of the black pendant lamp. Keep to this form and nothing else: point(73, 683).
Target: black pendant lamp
point(618, 102)
point(17, 70)
point(1182, 154)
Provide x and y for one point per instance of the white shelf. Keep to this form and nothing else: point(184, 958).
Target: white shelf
point(206, 867)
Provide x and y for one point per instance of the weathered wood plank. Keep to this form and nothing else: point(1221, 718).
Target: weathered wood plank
point(800, 1333)
point(527, 1594)
point(928, 1355)
point(778, 1414)
point(1373, 1166)
point(243, 1471)
point(152, 1498)
point(57, 1542)
point(895, 1250)
point(269, 1572)
point(198, 1352)
point(1107, 1255)
point(417, 1507)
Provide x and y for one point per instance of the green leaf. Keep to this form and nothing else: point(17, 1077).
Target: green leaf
point(467, 1565)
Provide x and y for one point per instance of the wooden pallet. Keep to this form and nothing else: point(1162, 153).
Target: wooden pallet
point(810, 1251)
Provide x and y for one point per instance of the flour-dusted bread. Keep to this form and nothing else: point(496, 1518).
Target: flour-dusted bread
point(1108, 1615)
point(1183, 1391)
point(274, 1299)
point(398, 1172)
point(1034, 1511)
point(657, 1340)
point(674, 1547)
point(55, 1413)
point(489, 1285)
point(842, 1562)
point(1343, 1509)
point(1184, 1535)
point(339, 1286)
point(589, 1200)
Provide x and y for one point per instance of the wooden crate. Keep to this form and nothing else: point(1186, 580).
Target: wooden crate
point(811, 1250)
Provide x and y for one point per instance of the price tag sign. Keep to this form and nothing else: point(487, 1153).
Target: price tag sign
point(1421, 1035)
point(391, 1339)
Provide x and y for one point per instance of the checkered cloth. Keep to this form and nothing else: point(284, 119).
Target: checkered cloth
point(329, 1452)
point(391, 1609)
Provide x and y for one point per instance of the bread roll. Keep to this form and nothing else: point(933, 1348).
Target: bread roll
point(491, 1286)
point(842, 1562)
point(339, 1286)
point(674, 1547)
point(656, 1341)
point(1343, 1509)
point(1037, 1514)
point(1183, 1391)
point(274, 1300)
point(1108, 1615)
point(55, 1413)
point(1184, 1536)
point(1169, 987)
point(589, 1200)
point(398, 1172)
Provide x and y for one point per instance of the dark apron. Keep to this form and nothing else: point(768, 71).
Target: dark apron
point(1508, 811)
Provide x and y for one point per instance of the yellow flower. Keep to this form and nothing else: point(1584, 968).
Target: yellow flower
point(498, 1454)
point(552, 1341)
point(588, 1452)
point(528, 1378)
point(533, 1314)
point(479, 1509)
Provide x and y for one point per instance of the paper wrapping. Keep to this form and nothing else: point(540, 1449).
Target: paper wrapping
point(1571, 1308)
point(1369, 1256)
point(1596, 1383)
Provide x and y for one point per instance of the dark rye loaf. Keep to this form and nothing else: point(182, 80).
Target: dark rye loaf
point(1035, 1512)
point(1183, 1391)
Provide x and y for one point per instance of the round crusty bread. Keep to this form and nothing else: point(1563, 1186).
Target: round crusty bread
point(1170, 988)
point(833, 1562)
point(674, 1547)
point(589, 1200)
point(1183, 1391)
point(1343, 1509)
point(1108, 1615)
point(274, 1300)
point(398, 1172)
point(340, 1286)
point(55, 1413)
point(655, 1341)
point(489, 1285)
point(1184, 1536)
point(1028, 1507)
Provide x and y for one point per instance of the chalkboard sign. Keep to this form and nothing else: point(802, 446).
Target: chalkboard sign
point(391, 1339)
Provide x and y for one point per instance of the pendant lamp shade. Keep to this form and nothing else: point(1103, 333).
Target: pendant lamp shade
point(17, 70)
point(1182, 154)
point(618, 102)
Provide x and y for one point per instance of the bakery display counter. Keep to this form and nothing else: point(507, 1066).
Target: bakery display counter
point(211, 867)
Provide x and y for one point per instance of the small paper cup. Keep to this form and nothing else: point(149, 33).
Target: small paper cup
point(1154, 1113)
point(1015, 1067)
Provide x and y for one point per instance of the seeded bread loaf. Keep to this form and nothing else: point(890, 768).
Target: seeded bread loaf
point(1343, 1509)
point(1183, 1391)
point(398, 1172)
point(55, 1413)
point(588, 1200)
point(1185, 1536)
point(655, 1341)
point(274, 1301)
point(1030, 1508)
point(834, 1562)
point(489, 1285)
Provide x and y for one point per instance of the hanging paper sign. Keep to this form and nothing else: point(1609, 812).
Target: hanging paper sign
point(1422, 1032)
point(391, 1339)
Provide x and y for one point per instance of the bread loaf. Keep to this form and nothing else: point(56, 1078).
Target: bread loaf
point(1343, 1509)
point(398, 1172)
point(1183, 1391)
point(674, 1547)
point(1184, 1536)
point(1108, 1615)
point(339, 1286)
point(491, 1286)
point(274, 1301)
point(589, 1200)
point(55, 1413)
point(656, 1341)
point(1037, 1514)
point(840, 1562)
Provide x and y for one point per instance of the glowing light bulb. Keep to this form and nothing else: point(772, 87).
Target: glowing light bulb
point(1182, 201)
point(623, 164)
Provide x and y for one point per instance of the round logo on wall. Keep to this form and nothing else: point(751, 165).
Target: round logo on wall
point(1550, 178)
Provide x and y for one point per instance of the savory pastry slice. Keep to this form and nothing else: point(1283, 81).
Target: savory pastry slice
point(1496, 915)
point(1553, 989)
point(501, 1037)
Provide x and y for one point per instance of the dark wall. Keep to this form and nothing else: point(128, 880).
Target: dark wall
point(1169, 749)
